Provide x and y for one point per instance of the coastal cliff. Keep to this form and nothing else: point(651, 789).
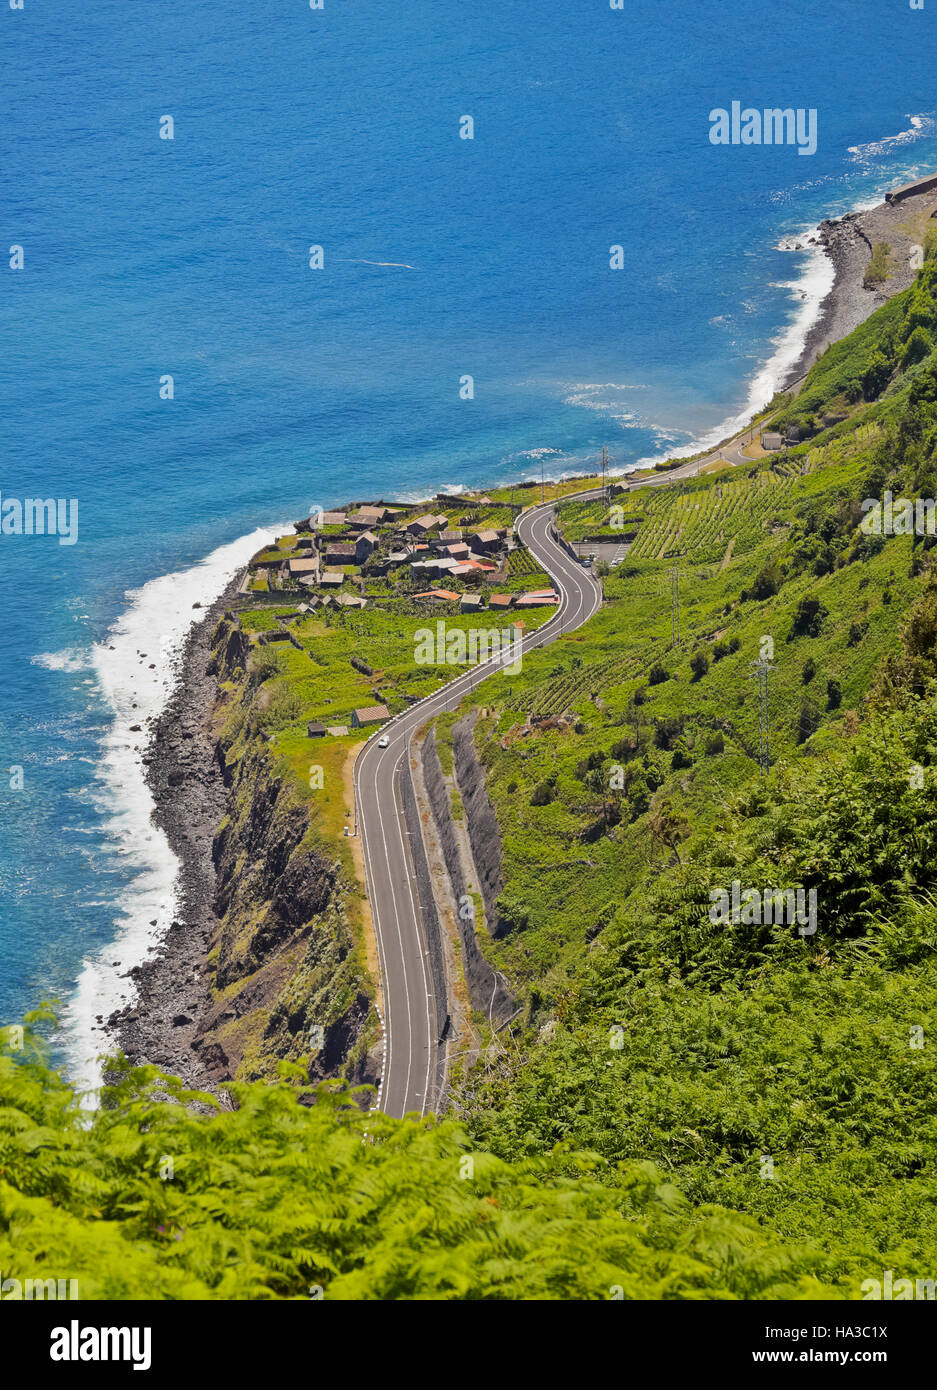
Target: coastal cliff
point(287, 979)
point(262, 964)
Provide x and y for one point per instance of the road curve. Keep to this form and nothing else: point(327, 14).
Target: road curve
point(411, 1028)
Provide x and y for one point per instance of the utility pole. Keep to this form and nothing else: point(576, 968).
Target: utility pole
point(542, 492)
point(604, 471)
point(675, 605)
point(762, 668)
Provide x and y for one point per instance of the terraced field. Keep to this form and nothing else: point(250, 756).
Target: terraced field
point(700, 523)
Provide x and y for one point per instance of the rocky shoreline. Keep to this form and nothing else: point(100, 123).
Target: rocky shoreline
point(161, 1025)
point(848, 241)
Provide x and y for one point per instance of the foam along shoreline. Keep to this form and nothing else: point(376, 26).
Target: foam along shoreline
point(834, 301)
point(813, 288)
point(136, 668)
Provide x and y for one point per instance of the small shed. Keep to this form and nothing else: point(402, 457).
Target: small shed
point(364, 545)
point(316, 730)
point(771, 442)
point(298, 567)
point(368, 516)
point(371, 714)
point(340, 553)
point(486, 540)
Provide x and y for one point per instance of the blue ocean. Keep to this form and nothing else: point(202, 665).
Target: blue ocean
point(443, 258)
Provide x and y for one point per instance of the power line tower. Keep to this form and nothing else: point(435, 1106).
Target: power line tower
point(675, 605)
point(761, 671)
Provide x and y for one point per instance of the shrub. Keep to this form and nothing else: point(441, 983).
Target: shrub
point(834, 694)
point(809, 671)
point(265, 663)
point(657, 674)
point(734, 644)
point(542, 795)
point(876, 375)
point(719, 651)
point(878, 268)
point(667, 730)
point(916, 349)
point(681, 756)
point(808, 721)
point(639, 798)
point(715, 743)
point(624, 748)
point(699, 665)
point(767, 581)
point(808, 619)
point(284, 707)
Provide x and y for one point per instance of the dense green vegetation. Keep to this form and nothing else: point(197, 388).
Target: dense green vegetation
point(783, 1073)
point(278, 1199)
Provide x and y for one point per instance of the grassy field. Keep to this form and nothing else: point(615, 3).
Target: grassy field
point(528, 492)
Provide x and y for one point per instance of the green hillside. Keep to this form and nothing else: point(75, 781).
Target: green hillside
point(783, 1073)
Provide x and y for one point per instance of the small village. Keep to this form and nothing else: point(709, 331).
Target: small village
point(304, 597)
point(462, 557)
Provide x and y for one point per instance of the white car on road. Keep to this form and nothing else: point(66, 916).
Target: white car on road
point(383, 741)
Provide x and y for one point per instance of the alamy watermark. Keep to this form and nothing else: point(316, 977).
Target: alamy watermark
point(454, 646)
point(772, 126)
point(764, 906)
point(888, 1289)
point(77, 1343)
point(30, 1290)
point(38, 516)
point(901, 516)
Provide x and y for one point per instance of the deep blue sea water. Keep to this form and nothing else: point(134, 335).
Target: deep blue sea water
point(443, 257)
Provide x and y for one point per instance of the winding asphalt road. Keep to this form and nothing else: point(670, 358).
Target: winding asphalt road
point(411, 1026)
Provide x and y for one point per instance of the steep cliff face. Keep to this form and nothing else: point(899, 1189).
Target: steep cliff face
point(484, 831)
point(486, 987)
point(288, 978)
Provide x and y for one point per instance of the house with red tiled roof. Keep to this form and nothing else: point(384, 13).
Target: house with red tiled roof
point(439, 596)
